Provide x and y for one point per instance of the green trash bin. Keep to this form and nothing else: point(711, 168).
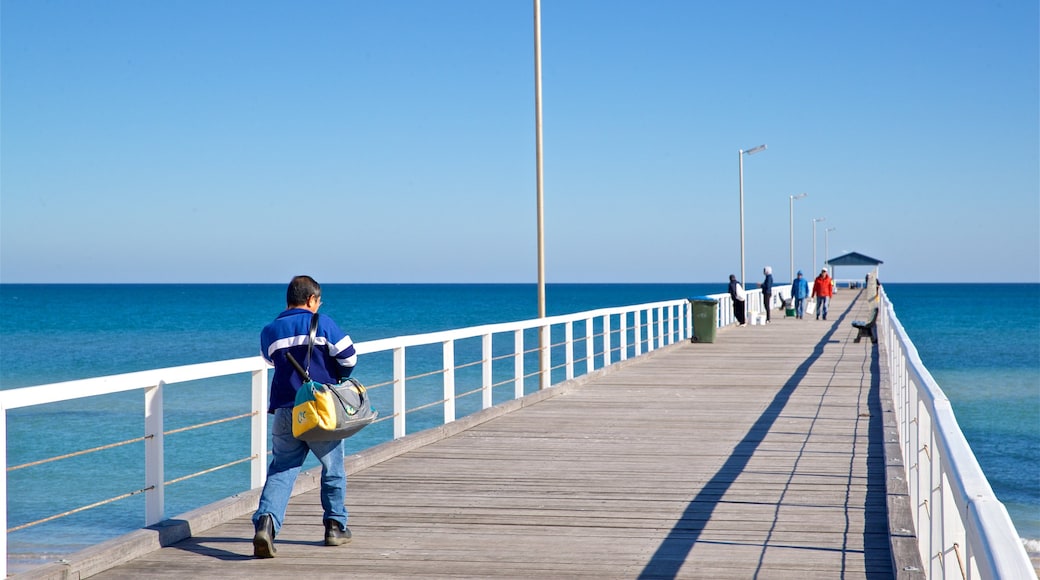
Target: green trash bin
point(705, 318)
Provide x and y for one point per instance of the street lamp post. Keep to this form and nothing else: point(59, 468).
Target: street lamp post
point(740, 159)
point(814, 220)
point(543, 352)
point(827, 245)
point(792, 198)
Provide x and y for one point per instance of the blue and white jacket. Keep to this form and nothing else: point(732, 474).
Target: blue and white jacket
point(333, 357)
point(800, 288)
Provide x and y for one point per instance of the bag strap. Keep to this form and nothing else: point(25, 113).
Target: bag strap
point(310, 340)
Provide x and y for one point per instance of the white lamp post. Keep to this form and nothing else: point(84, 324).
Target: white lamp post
point(740, 157)
point(538, 154)
point(827, 245)
point(543, 352)
point(792, 198)
point(814, 220)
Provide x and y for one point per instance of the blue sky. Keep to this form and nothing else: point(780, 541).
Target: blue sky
point(235, 141)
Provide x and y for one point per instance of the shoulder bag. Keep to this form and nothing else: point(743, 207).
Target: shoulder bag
point(325, 412)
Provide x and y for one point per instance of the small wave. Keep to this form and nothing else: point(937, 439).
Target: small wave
point(1032, 547)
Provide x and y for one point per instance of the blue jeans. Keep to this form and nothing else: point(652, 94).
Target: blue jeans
point(289, 453)
point(821, 306)
point(799, 307)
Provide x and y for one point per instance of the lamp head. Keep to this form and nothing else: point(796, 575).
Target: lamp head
point(754, 150)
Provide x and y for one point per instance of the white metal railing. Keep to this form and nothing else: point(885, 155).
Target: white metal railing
point(963, 531)
point(636, 329)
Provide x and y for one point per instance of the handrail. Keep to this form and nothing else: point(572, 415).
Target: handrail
point(961, 525)
point(625, 331)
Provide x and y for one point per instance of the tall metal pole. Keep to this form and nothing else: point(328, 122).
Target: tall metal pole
point(814, 220)
point(740, 157)
point(538, 152)
point(827, 245)
point(740, 164)
point(543, 355)
point(793, 197)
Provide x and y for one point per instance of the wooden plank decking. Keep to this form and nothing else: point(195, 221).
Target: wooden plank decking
point(758, 456)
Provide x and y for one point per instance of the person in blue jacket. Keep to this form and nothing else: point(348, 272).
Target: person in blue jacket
point(799, 291)
point(333, 358)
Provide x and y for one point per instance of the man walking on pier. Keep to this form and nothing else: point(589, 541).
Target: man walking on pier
point(823, 289)
point(333, 358)
point(799, 291)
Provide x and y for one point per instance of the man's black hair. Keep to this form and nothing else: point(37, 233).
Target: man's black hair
point(300, 291)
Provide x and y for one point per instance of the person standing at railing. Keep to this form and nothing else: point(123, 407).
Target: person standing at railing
point(736, 292)
point(822, 290)
point(333, 358)
point(767, 291)
point(799, 292)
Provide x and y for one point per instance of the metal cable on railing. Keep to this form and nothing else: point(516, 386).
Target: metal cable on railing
point(210, 470)
point(78, 453)
point(78, 510)
point(121, 444)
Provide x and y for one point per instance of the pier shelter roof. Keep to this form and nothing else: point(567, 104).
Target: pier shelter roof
point(854, 259)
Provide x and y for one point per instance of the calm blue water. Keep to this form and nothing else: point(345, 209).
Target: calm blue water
point(981, 343)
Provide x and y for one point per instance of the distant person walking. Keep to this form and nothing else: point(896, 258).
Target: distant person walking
point(823, 289)
point(332, 359)
point(799, 292)
point(767, 290)
point(736, 292)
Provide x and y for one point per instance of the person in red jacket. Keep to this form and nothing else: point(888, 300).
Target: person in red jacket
point(822, 290)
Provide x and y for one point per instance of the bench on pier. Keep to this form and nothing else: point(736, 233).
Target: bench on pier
point(867, 328)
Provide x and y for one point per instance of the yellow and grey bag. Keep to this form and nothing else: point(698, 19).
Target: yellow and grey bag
point(331, 412)
point(324, 412)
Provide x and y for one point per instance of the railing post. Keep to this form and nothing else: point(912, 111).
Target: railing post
point(518, 364)
point(568, 339)
point(590, 363)
point(637, 331)
point(449, 381)
point(606, 340)
point(660, 327)
point(3, 490)
point(400, 407)
point(545, 342)
point(258, 430)
point(622, 336)
point(486, 371)
point(649, 330)
point(670, 325)
point(154, 481)
point(688, 311)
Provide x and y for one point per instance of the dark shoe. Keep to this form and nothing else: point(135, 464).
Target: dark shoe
point(335, 534)
point(263, 541)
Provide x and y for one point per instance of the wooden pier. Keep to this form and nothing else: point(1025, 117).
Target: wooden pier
point(761, 455)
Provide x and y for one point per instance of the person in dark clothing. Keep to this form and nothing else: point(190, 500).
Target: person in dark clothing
point(736, 292)
point(334, 359)
point(767, 290)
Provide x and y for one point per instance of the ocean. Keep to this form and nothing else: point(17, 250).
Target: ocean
point(981, 342)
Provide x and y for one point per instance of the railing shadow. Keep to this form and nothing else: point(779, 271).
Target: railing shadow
point(876, 546)
point(673, 551)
